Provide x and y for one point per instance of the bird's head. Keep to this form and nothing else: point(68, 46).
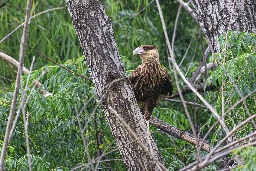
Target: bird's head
point(147, 53)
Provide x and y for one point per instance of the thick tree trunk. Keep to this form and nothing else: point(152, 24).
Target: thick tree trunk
point(217, 17)
point(114, 92)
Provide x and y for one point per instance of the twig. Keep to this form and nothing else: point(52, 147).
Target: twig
point(56, 63)
point(137, 13)
point(24, 92)
point(188, 9)
point(187, 102)
point(195, 74)
point(17, 85)
point(204, 68)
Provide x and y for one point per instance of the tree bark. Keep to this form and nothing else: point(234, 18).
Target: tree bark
point(95, 33)
point(218, 17)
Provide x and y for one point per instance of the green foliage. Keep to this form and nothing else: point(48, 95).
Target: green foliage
point(52, 33)
point(236, 71)
point(54, 133)
point(249, 156)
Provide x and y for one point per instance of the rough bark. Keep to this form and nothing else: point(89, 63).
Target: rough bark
point(113, 89)
point(217, 17)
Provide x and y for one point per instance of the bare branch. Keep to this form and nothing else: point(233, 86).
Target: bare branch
point(199, 87)
point(25, 119)
point(13, 61)
point(188, 9)
point(189, 103)
point(180, 134)
point(25, 71)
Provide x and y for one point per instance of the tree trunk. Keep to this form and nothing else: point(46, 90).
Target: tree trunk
point(217, 17)
point(95, 33)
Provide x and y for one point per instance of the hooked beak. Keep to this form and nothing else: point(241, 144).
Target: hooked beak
point(138, 51)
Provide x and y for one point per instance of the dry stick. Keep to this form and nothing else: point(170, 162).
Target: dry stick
point(184, 56)
point(211, 128)
point(174, 67)
point(217, 156)
point(30, 19)
point(135, 14)
point(24, 91)
point(192, 59)
point(225, 128)
point(17, 85)
point(203, 69)
point(199, 67)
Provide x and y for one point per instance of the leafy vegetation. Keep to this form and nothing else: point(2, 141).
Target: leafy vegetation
point(54, 121)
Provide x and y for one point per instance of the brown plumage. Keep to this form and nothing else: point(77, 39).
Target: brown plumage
point(151, 83)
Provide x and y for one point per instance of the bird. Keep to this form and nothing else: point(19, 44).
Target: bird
point(150, 82)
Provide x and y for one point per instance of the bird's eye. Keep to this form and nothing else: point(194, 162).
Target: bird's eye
point(145, 48)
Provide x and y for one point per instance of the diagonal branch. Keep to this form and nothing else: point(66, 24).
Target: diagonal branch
point(181, 134)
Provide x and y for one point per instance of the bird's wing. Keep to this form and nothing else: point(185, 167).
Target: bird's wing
point(135, 74)
point(167, 87)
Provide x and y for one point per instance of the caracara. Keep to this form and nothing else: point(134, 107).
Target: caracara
point(151, 83)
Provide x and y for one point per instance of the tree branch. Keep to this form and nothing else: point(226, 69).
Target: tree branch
point(25, 71)
point(180, 134)
point(199, 87)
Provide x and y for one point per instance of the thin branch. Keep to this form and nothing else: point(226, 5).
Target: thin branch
point(17, 85)
point(83, 139)
point(180, 134)
point(25, 71)
point(195, 74)
point(56, 63)
point(199, 87)
point(25, 119)
point(187, 102)
point(137, 13)
point(188, 9)
point(205, 68)
point(13, 61)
